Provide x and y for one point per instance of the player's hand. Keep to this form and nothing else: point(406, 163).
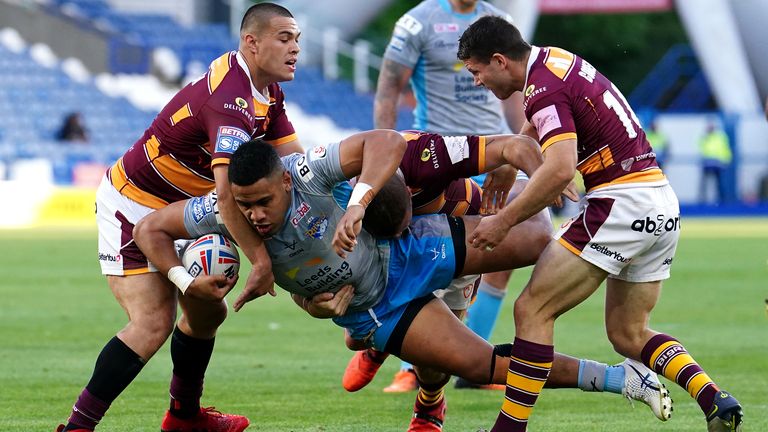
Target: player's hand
point(260, 281)
point(211, 287)
point(496, 188)
point(331, 305)
point(349, 226)
point(571, 192)
point(489, 233)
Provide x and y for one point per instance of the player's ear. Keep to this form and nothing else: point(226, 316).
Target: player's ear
point(499, 59)
point(287, 181)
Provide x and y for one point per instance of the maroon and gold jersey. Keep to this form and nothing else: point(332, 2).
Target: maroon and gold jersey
point(567, 98)
point(199, 128)
point(436, 169)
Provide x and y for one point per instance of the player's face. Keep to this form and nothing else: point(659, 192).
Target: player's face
point(465, 5)
point(277, 49)
point(493, 76)
point(265, 202)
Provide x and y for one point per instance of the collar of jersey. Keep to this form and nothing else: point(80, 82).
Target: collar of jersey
point(256, 94)
point(531, 59)
point(446, 5)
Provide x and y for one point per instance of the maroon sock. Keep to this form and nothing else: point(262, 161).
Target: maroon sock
point(87, 412)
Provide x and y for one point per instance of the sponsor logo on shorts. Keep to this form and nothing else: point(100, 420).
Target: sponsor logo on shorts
point(607, 252)
point(326, 277)
point(229, 139)
point(656, 226)
point(110, 257)
point(300, 213)
point(317, 227)
point(668, 261)
point(438, 253)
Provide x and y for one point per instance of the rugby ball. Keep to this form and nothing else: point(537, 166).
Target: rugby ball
point(211, 254)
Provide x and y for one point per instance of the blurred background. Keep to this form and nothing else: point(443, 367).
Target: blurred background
point(80, 80)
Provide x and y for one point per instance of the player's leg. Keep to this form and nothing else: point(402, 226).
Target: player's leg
point(627, 313)
point(149, 300)
point(482, 315)
point(191, 348)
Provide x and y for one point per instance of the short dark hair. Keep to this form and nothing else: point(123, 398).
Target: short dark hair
point(489, 35)
point(385, 216)
point(253, 161)
point(259, 14)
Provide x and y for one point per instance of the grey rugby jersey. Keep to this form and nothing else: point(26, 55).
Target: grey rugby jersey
point(303, 259)
point(426, 39)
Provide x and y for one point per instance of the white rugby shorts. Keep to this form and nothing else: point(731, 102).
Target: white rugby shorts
point(630, 232)
point(116, 216)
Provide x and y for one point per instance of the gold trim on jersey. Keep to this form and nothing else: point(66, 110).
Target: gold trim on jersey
point(219, 161)
point(431, 207)
point(597, 162)
point(260, 109)
point(218, 71)
point(557, 138)
point(559, 62)
point(462, 206)
point(178, 176)
point(181, 114)
point(284, 140)
point(651, 175)
point(120, 181)
point(409, 136)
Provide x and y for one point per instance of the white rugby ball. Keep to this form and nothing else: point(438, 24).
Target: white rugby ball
point(211, 254)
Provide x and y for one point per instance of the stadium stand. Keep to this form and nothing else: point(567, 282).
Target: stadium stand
point(34, 98)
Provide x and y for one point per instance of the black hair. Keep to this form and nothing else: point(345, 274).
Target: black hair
point(489, 35)
point(253, 161)
point(260, 13)
point(385, 216)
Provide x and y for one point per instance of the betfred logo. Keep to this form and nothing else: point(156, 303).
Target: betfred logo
point(656, 226)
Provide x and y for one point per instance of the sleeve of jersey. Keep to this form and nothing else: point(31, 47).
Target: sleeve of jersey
point(318, 169)
point(552, 117)
point(434, 161)
point(226, 134)
point(279, 130)
point(405, 45)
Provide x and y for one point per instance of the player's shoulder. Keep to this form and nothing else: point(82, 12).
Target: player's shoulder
point(417, 19)
point(486, 8)
point(226, 77)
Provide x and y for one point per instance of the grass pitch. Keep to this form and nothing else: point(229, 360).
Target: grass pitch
point(283, 369)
